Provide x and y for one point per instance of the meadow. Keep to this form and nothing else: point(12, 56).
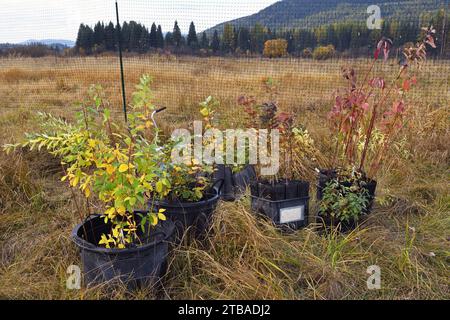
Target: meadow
point(407, 235)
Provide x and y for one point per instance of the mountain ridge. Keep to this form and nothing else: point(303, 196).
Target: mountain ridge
point(304, 14)
point(49, 42)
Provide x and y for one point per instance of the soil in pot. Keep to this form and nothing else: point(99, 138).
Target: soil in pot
point(137, 266)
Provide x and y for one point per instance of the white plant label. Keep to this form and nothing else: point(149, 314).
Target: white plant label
point(374, 21)
point(73, 282)
point(292, 214)
point(374, 281)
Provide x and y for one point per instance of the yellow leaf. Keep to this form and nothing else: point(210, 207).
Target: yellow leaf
point(123, 167)
point(116, 232)
point(104, 241)
point(162, 217)
point(87, 192)
point(154, 219)
point(110, 169)
point(204, 112)
point(110, 213)
point(91, 143)
point(121, 210)
point(75, 181)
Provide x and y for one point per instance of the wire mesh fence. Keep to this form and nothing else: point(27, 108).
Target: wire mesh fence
point(52, 51)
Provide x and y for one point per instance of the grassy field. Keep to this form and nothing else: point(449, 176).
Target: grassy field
point(408, 234)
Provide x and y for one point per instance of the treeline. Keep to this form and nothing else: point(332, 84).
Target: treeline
point(34, 50)
point(348, 38)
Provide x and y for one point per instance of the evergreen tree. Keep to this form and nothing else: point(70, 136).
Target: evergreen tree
point(289, 36)
point(154, 36)
point(169, 39)
point(215, 43)
point(80, 37)
point(192, 40)
point(86, 41)
point(135, 36)
point(306, 39)
point(99, 34)
point(144, 41)
point(204, 43)
point(177, 37)
point(257, 38)
point(243, 39)
point(125, 36)
point(160, 38)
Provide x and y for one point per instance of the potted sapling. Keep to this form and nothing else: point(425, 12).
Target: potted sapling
point(114, 167)
point(235, 177)
point(284, 195)
point(186, 188)
point(366, 119)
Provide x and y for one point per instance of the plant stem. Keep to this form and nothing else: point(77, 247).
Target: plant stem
point(369, 132)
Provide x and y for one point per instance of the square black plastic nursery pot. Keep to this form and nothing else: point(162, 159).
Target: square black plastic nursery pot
point(234, 184)
point(285, 203)
point(325, 176)
point(286, 214)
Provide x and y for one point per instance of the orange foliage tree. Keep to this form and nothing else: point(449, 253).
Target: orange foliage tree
point(275, 48)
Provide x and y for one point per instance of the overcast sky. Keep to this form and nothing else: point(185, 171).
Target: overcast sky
point(22, 20)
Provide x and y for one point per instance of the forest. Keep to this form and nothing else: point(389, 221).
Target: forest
point(351, 38)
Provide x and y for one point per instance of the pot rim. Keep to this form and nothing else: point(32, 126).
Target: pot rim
point(179, 204)
point(324, 172)
point(281, 182)
point(88, 246)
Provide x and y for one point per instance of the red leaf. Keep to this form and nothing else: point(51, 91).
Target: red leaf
point(377, 54)
point(406, 85)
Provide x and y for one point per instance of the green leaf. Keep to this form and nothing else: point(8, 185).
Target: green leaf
point(159, 186)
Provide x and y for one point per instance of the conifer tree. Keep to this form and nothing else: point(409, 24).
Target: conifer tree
point(159, 38)
point(204, 43)
point(177, 37)
point(153, 36)
point(192, 40)
point(215, 43)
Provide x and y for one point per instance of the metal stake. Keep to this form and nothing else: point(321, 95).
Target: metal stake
point(119, 41)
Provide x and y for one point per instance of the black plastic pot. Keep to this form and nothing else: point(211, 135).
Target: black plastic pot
point(286, 204)
point(136, 266)
point(195, 216)
point(234, 184)
point(325, 176)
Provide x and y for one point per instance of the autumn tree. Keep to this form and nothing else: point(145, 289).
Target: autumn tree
point(228, 38)
point(276, 48)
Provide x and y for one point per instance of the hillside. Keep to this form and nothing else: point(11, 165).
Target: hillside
point(294, 14)
point(50, 42)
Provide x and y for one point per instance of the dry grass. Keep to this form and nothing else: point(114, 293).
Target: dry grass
point(408, 234)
